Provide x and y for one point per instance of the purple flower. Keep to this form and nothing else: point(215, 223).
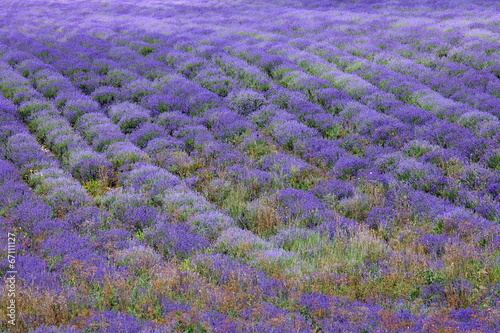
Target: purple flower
point(138, 258)
point(433, 293)
point(119, 77)
point(109, 241)
point(413, 115)
point(34, 272)
point(339, 227)
point(87, 218)
point(228, 125)
point(61, 192)
point(71, 242)
point(139, 217)
point(175, 240)
point(169, 306)
point(29, 212)
point(210, 224)
point(434, 244)
point(237, 242)
point(115, 322)
point(144, 133)
point(87, 165)
point(333, 188)
point(105, 134)
point(87, 82)
point(25, 151)
point(216, 82)
point(491, 158)
point(128, 116)
point(299, 207)
point(75, 108)
point(107, 94)
point(472, 120)
point(118, 201)
point(146, 178)
point(29, 67)
point(124, 153)
point(165, 103)
point(283, 163)
point(246, 101)
point(174, 120)
point(348, 166)
point(139, 89)
point(286, 133)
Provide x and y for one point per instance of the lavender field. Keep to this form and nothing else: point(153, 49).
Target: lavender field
point(250, 166)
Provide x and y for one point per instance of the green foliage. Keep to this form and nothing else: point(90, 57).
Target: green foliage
point(258, 149)
point(96, 187)
point(42, 55)
point(146, 50)
point(105, 98)
point(335, 132)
